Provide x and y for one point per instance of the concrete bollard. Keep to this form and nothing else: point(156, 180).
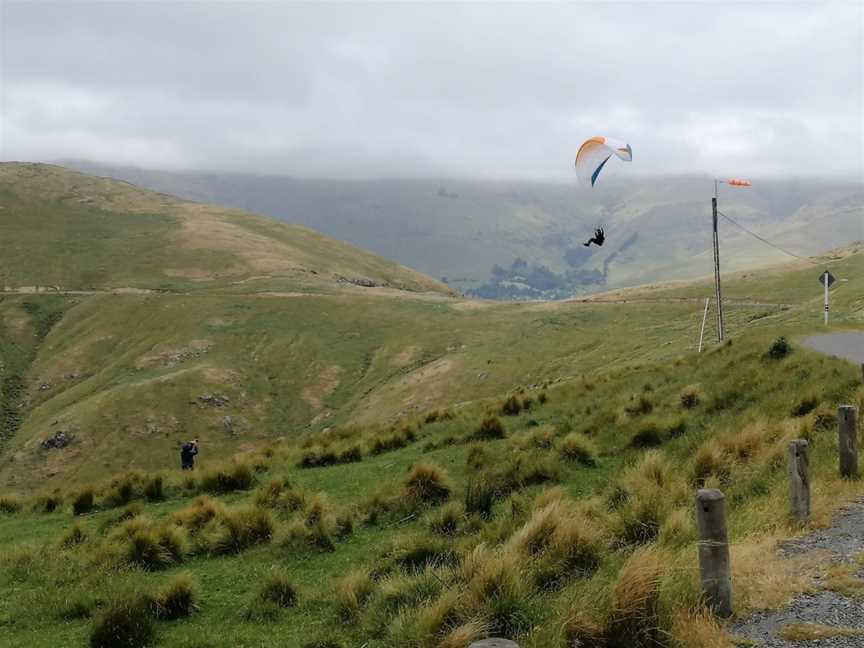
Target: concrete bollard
point(847, 417)
point(714, 569)
point(494, 643)
point(799, 480)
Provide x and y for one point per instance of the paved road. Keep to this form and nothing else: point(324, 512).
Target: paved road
point(849, 345)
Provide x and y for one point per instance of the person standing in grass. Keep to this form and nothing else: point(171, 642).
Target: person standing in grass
point(187, 454)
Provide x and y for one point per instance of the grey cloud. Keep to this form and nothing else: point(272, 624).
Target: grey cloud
point(484, 90)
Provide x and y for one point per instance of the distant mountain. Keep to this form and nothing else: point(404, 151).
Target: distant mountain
point(468, 232)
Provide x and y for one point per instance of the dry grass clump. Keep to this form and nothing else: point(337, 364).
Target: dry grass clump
point(83, 502)
point(698, 628)
point(415, 552)
point(647, 435)
point(690, 396)
point(540, 437)
point(497, 590)
point(154, 488)
point(243, 528)
point(634, 616)
point(138, 542)
point(477, 456)
point(578, 447)
point(806, 404)
point(198, 514)
point(639, 405)
point(275, 594)
point(447, 520)
point(179, 599)
point(490, 428)
point(645, 496)
point(73, 537)
point(709, 461)
point(352, 593)
point(10, 504)
point(512, 406)
point(392, 439)
point(464, 634)
point(122, 489)
point(124, 622)
point(219, 480)
point(427, 483)
point(48, 503)
point(678, 529)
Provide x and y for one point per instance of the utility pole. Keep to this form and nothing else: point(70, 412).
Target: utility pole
point(735, 182)
point(717, 294)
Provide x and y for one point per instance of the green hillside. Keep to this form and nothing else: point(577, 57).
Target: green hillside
point(658, 228)
point(69, 230)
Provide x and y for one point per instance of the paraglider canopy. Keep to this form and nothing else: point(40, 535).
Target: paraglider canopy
point(595, 153)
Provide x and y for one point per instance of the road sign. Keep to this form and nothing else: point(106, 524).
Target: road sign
point(826, 276)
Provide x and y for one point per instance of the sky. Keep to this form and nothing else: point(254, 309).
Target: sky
point(483, 90)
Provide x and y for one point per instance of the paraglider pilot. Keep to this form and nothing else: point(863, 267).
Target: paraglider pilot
point(598, 238)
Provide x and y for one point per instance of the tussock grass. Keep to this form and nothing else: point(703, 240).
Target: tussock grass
point(814, 632)
point(447, 520)
point(352, 593)
point(10, 504)
point(490, 428)
point(243, 528)
point(427, 483)
point(578, 447)
point(83, 502)
point(236, 476)
point(75, 536)
point(124, 622)
point(178, 599)
point(690, 396)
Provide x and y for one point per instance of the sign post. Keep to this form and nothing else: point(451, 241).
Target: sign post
point(826, 279)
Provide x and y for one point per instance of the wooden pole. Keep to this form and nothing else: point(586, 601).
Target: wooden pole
point(717, 294)
point(702, 330)
point(847, 416)
point(714, 569)
point(799, 480)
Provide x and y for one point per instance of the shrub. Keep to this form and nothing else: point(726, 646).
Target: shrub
point(73, 537)
point(10, 504)
point(780, 348)
point(179, 599)
point(690, 396)
point(154, 489)
point(427, 483)
point(578, 447)
point(83, 502)
point(512, 406)
point(490, 428)
point(124, 623)
point(225, 479)
point(242, 529)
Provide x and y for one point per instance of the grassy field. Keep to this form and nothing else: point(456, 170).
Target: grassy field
point(571, 520)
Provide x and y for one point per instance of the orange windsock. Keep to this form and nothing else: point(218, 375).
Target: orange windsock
point(738, 182)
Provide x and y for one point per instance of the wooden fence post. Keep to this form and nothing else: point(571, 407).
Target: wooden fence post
point(799, 480)
point(714, 569)
point(494, 643)
point(848, 441)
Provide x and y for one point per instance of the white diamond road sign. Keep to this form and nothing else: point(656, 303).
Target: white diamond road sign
point(826, 276)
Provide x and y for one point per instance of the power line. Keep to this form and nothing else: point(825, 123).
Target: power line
point(765, 241)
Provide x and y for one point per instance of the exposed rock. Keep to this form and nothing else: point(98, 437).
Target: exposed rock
point(61, 439)
point(234, 425)
point(214, 400)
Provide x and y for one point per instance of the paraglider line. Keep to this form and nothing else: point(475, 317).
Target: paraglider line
point(765, 241)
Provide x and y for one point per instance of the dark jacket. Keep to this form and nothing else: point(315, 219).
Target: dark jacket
point(188, 452)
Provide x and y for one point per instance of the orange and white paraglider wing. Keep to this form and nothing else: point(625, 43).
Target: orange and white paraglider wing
point(595, 153)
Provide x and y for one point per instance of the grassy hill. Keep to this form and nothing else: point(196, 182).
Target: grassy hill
point(66, 229)
point(658, 228)
point(550, 514)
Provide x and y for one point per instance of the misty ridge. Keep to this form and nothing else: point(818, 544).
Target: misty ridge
point(524, 240)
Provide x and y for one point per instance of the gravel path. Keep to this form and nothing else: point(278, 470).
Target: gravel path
point(845, 540)
point(848, 345)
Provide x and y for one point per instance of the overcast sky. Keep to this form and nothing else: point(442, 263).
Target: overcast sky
point(481, 90)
